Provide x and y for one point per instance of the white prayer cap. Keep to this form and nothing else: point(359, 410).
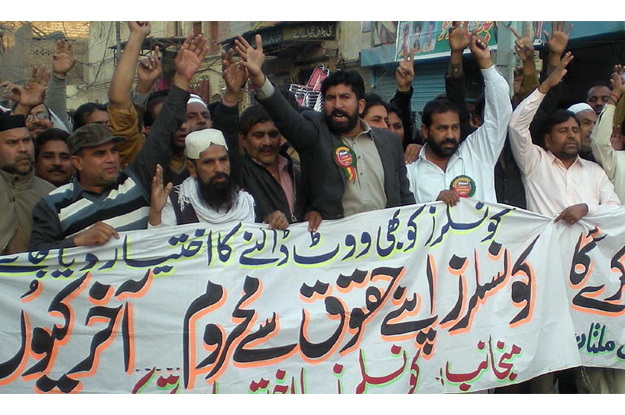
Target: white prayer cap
point(198, 141)
point(196, 99)
point(582, 106)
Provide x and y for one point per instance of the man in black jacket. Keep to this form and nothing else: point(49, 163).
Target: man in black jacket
point(347, 166)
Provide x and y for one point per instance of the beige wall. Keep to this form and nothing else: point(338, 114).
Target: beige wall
point(351, 41)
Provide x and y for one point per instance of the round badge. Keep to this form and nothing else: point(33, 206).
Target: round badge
point(344, 157)
point(463, 185)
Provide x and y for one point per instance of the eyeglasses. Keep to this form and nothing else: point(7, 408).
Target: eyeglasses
point(41, 115)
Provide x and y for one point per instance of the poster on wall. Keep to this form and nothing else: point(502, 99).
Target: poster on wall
point(431, 39)
point(384, 33)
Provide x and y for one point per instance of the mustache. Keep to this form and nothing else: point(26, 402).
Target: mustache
point(339, 112)
point(449, 141)
point(56, 169)
point(268, 148)
point(218, 176)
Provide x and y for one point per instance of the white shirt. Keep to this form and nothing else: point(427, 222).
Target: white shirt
point(476, 156)
point(612, 161)
point(549, 186)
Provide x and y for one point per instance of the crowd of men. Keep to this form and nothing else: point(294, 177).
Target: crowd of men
point(151, 159)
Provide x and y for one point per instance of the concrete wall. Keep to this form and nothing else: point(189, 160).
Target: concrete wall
point(351, 41)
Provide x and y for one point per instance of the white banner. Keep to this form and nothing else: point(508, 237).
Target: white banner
point(422, 299)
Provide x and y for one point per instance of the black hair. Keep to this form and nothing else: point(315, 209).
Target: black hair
point(252, 116)
point(155, 98)
point(392, 107)
point(349, 78)
point(372, 100)
point(84, 111)
point(436, 106)
point(557, 117)
point(597, 83)
point(49, 135)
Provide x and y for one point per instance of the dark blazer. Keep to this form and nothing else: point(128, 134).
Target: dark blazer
point(308, 133)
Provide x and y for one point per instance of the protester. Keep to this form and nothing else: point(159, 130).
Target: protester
point(612, 161)
point(447, 169)
point(20, 189)
point(209, 195)
point(587, 119)
point(52, 158)
point(598, 96)
point(119, 200)
point(348, 166)
point(90, 112)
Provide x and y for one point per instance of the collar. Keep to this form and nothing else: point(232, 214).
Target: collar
point(18, 180)
point(366, 131)
point(554, 160)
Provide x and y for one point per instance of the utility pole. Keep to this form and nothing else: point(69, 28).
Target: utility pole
point(119, 42)
point(506, 55)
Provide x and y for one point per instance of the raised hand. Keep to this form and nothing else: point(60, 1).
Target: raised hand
point(251, 58)
point(160, 193)
point(63, 61)
point(404, 75)
point(459, 36)
point(190, 56)
point(524, 45)
point(479, 50)
point(148, 71)
point(142, 29)
point(556, 76)
point(34, 91)
point(617, 82)
point(234, 74)
point(559, 38)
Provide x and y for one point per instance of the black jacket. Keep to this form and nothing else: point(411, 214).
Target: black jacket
point(254, 177)
point(315, 143)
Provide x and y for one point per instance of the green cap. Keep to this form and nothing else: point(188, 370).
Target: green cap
point(91, 135)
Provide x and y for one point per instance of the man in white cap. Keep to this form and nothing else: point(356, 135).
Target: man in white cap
point(209, 195)
point(197, 118)
point(587, 119)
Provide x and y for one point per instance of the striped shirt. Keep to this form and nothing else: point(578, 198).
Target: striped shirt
point(71, 209)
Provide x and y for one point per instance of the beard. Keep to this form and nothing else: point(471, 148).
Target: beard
point(343, 127)
point(439, 150)
point(218, 195)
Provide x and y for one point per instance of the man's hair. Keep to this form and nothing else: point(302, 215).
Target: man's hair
point(252, 116)
point(436, 106)
point(597, 83)
point(84, 111)
point(372, 100)
point(49, 135)
point(155, 98)
point(392, 107)
point(557, 117)
point(349, 78)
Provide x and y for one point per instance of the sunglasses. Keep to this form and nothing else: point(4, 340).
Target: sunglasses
point(41, 115)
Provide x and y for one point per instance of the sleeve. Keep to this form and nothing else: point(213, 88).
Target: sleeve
point(56, 99)
point(168, 216)
point(139, 101)
point(158, 146)
point(124, 123)
point(600, 141)
point(608, 198)
point(529, 83)
point(47, 233)
point(298, 130)
point(546, 108)
point(455, 90)
point(486, 142)
point(406, 196)
point(403, 101)
point(227, 121)
point(526, 154)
